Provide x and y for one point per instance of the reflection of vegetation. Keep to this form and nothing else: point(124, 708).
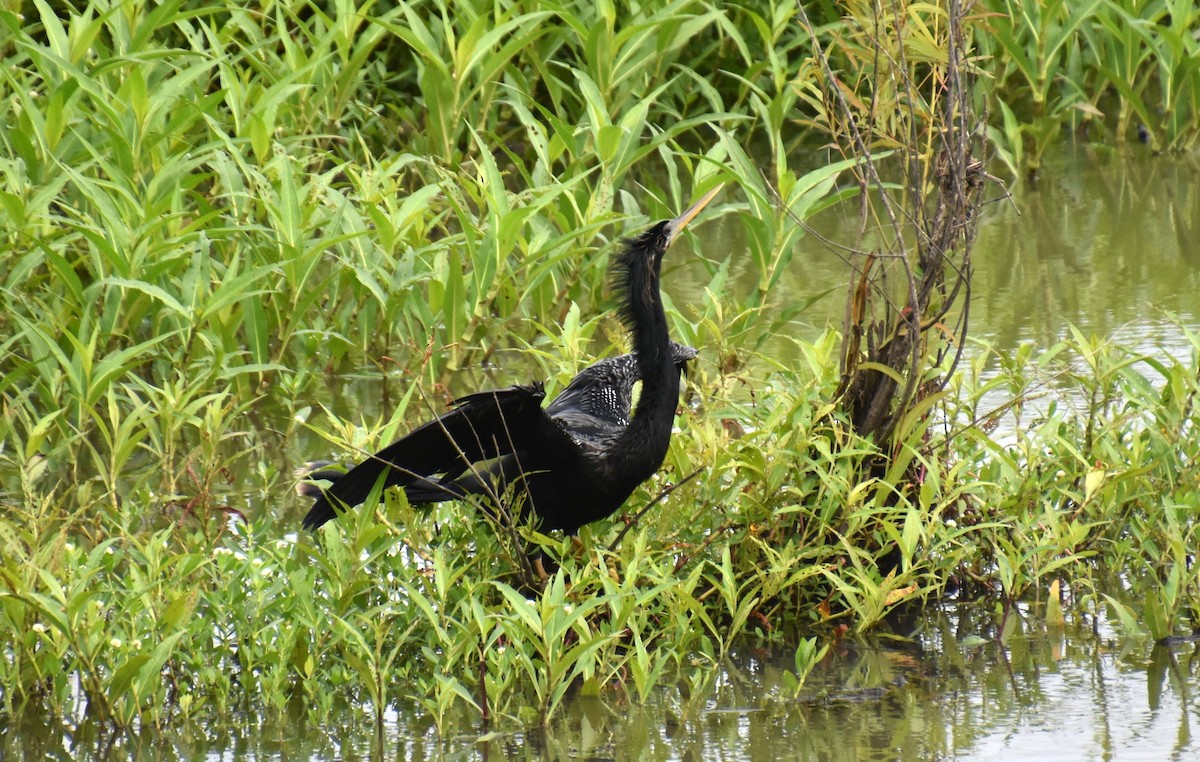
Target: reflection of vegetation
point(1105, 241)
point(204, 210)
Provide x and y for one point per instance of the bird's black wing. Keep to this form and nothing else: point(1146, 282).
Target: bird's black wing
point(481, 426)
point(682, 354)
point(592, 409)
point(597, 402)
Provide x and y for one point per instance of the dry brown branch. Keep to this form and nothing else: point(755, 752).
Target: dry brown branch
point(904, 339)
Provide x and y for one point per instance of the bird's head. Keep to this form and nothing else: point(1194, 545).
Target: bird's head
point(672, 228)
point(642, 256)
point(636, 273)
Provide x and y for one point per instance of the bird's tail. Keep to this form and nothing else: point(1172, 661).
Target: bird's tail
point(421, 491)
point(321, 512)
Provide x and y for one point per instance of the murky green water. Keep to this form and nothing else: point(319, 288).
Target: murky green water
point(1108, 242)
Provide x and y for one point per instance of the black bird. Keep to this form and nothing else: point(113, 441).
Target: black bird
point(596, 403)
point(575, 461)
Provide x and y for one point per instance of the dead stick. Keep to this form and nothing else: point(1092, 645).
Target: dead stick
point(661, 496)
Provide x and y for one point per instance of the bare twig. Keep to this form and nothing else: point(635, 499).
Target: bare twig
point(616, 543)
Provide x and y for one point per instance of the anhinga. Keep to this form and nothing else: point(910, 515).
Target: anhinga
point(575, 461)
point(596, 403)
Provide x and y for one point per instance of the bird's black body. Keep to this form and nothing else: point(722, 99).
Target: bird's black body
point(575, 461)
point(593, 409)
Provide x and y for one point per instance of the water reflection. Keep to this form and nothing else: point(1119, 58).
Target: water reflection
point(1107, 240)
point(1054, 694)
point(1045, 694)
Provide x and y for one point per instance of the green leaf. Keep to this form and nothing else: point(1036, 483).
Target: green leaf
point(155, 292)
point(256, 328)
point(1128, 621)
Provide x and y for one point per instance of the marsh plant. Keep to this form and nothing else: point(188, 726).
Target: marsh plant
point(236, 236)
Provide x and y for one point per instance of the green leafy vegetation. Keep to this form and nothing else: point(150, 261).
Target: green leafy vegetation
point(214, 219)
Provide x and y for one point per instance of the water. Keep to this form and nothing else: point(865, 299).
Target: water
point(1106, 242)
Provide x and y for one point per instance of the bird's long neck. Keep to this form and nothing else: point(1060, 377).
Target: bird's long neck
point(647, 437)
point(652, 344)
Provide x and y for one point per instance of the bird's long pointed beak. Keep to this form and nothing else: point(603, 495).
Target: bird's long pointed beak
point(675, 226)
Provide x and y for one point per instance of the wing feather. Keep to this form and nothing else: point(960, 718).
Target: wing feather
point(481, 426)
